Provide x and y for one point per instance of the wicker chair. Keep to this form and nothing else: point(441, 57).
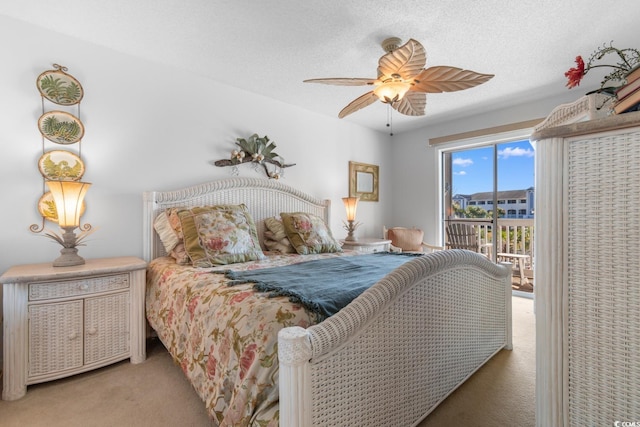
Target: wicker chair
point(408, 240)
point(465, 236)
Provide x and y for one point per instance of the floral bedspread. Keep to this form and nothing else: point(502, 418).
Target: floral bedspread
point(225, 338)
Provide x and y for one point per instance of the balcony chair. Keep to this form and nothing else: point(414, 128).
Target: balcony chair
point(465, 236)
point(408, 240)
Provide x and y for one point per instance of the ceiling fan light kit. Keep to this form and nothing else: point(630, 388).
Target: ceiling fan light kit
point(391, 91)
point(403, 82)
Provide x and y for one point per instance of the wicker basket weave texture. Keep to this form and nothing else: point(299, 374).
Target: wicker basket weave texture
point(106, 327)
point(55, 338)
point(413, 371)
point(263, 198)
point(70, 288)
point(603, 254)
point(69, 334)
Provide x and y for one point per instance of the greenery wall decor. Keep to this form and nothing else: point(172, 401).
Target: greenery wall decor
point(59, 87)
point(61, 126)
point(259, 152)
point(61, 165)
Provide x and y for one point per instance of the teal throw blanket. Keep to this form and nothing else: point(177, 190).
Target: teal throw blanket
point(322, 286)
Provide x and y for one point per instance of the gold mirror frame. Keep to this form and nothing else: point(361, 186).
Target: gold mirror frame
point(363, 181)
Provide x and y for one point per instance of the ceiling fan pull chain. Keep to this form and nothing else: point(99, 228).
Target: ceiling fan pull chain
point(390, 119)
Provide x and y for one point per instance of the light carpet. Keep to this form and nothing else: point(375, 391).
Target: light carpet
point(155, 393)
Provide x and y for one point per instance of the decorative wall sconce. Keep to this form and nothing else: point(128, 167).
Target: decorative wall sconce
point(68, 197)
point(350, 204)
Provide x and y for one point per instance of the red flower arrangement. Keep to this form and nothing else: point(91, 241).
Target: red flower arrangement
point(627, 59)
point(575, 74)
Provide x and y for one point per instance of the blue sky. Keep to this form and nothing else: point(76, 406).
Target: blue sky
point(473, 169)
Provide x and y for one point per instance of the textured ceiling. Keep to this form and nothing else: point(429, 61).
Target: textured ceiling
point(270, 47)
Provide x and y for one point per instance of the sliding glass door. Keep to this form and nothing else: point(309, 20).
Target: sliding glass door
point(470, 189)
point(488, 184)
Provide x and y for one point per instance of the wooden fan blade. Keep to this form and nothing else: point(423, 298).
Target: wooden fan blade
point(358, 103)
point(339, 81)
point(447, 79)
point(412, 104)
point(406, 61)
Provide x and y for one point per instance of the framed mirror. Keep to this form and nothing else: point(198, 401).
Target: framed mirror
point(363, 181)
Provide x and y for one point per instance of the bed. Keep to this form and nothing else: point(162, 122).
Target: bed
point(388, 357)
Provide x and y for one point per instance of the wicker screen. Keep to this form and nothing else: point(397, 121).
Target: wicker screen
point(603, 250)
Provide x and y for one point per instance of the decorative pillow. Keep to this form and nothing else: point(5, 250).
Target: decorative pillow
point(174, 220)
point(282, 246)
point(165, 231)
point(408, 239)
point(167, 225)
point(275, 237)
point(217, 235)
point(180, 254)
point(308, 233)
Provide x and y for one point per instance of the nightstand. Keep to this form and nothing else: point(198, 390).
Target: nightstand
point(60, 321)
point(367, 244)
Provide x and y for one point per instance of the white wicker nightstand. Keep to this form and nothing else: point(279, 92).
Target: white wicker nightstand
point(367, 244)
point(60, 321)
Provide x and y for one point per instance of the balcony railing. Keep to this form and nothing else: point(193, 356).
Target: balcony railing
point(514, 236)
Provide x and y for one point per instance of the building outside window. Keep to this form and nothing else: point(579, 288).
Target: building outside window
point(523, 200)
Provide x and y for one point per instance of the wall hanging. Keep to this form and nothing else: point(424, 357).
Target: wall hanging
point(363, 181)
point(259, 152)
point(62, 169)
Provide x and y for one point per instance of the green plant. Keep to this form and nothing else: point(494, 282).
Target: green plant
point(515, 237)
point(258, 150)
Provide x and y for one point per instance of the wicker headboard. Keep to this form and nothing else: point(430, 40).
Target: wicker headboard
point(264, 198)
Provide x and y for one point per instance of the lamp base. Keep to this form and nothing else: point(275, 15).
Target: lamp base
point(351, 228)
point(68, 257)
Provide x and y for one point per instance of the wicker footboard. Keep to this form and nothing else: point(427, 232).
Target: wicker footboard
point(400, 348)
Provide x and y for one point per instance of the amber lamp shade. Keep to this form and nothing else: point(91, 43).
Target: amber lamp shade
point(390, 92)
point(68, 197)
point(350, 204)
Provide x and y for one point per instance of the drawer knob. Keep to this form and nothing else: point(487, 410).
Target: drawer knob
point(73, 336)
point(92, 331)
point(83, 287)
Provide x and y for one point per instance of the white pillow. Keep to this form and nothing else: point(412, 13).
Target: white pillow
point(166, 232)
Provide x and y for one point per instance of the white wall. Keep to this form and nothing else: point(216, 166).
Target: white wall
point(151, 127)
point(415, 195)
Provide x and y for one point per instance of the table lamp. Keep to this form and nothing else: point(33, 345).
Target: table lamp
point(350, 204)
point(68, 197)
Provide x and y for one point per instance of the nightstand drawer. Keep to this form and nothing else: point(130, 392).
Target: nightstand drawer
point(70, 288)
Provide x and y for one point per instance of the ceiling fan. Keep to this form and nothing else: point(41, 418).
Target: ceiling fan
point(403, 82)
